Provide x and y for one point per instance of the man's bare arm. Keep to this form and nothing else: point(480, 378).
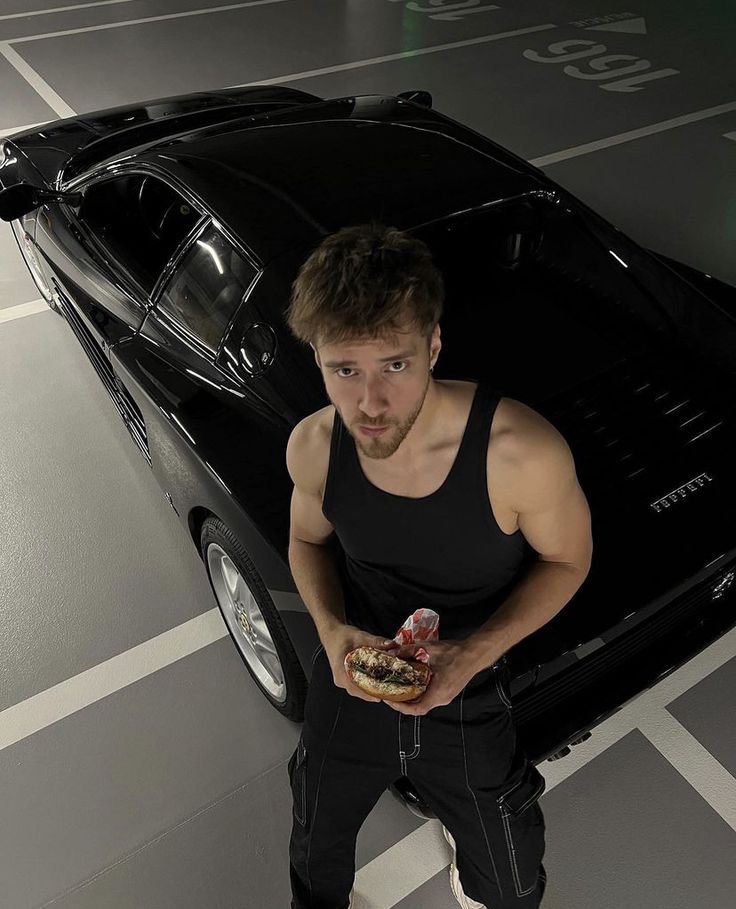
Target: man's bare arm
point(311, 556)
point(554, 517)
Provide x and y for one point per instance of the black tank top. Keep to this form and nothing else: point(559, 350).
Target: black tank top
point(444, 551)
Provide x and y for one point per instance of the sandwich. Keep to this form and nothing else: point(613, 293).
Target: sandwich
point(387, 677)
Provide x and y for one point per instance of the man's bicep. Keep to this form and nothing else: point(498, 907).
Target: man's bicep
point(553, 511)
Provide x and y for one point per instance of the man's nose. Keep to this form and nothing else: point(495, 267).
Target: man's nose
point(373, 400)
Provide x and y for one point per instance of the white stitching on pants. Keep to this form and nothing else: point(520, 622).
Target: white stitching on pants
point(417, 738)
point(316, 799)
point(401, 753)
point(507, 829)
point(403, 757)
point(512, 855)
point(535, 794)
point(467, 783)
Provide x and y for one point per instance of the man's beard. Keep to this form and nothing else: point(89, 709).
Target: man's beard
point(383, 446)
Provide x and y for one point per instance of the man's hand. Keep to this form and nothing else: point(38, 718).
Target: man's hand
point(339, 642)
point(451, 672)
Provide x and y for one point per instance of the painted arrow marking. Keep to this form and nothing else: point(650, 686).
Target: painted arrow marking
point(636, 26)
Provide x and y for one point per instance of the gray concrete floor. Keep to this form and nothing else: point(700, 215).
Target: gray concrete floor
point(167, 787)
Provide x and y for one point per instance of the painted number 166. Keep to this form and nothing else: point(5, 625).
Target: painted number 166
point(561, 53)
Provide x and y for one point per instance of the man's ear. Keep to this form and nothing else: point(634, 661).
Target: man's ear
point(316, 355)
point(435, 344)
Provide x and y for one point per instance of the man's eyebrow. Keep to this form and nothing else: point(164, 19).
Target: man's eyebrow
point(402, 355)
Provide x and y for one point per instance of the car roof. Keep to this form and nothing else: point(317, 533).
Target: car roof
point(289, 178)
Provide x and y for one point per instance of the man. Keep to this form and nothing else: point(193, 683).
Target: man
point(436, 491)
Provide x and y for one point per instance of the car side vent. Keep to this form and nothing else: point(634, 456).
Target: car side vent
point(129, 410)
point(635, 415)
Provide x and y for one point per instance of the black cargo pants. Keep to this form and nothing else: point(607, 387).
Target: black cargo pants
point(462, 758)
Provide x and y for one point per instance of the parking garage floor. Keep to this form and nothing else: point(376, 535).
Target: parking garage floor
point(140, 768)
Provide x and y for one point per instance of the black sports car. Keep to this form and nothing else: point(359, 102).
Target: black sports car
point(168, 233)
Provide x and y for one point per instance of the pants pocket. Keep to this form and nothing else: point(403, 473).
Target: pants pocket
point(297, 774)
point(524, 826)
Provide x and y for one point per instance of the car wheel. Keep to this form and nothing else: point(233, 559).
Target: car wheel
point(253, 620)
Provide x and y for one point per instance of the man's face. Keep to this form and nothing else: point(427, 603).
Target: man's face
point(378, 384)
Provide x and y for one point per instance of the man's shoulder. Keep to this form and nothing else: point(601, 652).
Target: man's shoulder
point(321, 422)
point(312, 446)
point(520, 431)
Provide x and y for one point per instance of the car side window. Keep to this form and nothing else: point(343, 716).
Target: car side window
point(141, 221)
point(207, 287)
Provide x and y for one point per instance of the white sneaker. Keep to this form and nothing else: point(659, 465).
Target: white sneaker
point(457, 890)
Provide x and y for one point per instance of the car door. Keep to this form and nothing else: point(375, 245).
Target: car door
point(169, 366)
point(106, 256)
point(261, 352)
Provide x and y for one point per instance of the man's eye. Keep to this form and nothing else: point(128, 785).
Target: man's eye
point(339, 370)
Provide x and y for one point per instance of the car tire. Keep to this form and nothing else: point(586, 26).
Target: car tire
point(253, 620)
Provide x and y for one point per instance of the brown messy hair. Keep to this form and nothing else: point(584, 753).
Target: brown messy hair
point(367, 281)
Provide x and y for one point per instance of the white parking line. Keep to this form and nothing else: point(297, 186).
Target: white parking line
point(53, 704)
point(193, 12)
point(396, 873)
point(619, 139)
point(54, 101)
point(401, 55)
point(23, 309)
point(692, 760)
point(61, 9)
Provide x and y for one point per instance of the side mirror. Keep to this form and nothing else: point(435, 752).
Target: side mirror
point(19, 200)
point(420, 97)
